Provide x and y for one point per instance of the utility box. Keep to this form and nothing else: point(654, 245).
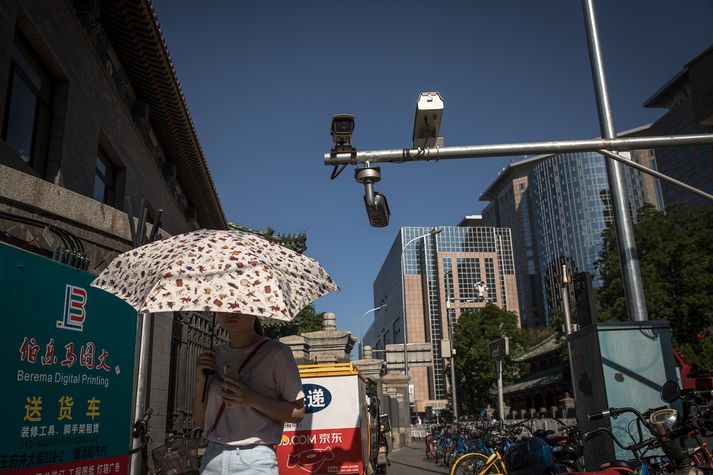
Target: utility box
point(618, 364)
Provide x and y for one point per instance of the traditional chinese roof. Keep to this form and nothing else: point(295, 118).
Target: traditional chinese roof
point(136, 37)
point(539, 380)
point(549, 345)
point(295, 242)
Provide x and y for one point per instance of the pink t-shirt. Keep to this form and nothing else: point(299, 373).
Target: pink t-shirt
point(272, 372)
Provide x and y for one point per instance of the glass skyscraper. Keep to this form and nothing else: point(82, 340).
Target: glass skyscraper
point(431, 281)
point(571, 206)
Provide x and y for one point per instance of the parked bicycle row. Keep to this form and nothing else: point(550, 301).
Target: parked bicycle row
point(659, 440)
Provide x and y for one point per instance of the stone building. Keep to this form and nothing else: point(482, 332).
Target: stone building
point(94, 124)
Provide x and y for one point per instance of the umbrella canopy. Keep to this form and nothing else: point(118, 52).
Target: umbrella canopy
point(210, 270)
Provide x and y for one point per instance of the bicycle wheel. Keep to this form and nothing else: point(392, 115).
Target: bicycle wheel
point(430, 447)
point(473, 464)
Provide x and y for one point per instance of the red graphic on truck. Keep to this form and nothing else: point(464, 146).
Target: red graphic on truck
point(310, 460)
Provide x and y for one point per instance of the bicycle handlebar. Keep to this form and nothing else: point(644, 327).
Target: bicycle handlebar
point(615, 411)
point(605, 430)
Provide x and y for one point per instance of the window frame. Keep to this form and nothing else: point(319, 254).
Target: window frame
point(24, 57)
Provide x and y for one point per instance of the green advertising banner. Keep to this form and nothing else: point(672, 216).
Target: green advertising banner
point(67, 370)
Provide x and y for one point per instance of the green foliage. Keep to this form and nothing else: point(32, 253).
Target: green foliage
point(675, 252)
point(475, 371)
point(308, 320)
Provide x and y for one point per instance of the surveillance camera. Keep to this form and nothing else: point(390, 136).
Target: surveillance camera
point(341, 131)
point(377, 209)
point(427, 123)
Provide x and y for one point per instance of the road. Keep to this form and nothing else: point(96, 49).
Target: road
point(412, 461)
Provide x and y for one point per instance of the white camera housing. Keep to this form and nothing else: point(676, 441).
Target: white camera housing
point(427, 124)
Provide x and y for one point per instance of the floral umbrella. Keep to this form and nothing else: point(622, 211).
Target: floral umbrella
point(210, 270)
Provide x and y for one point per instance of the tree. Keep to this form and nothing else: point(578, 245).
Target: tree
point(675, 252)
point(308, 320)
point(474, 369)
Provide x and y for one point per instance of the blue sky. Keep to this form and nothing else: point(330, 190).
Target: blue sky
point(263, 78)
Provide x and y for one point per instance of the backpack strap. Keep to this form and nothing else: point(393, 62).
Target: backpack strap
point(240, 370)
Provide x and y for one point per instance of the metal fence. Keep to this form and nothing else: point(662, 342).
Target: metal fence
point(190, 336)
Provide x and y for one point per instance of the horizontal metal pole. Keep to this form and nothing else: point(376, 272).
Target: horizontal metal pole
point(649, 171)
point(506, 150)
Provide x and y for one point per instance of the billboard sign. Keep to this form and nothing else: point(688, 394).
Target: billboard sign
point(67, 370)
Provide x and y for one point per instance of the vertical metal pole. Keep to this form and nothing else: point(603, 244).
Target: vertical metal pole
point(454, 393)
point(403, 302)
point(141, 385)
point(453, 382)
point(633, 286)
point(501, 402)
point(565, 301)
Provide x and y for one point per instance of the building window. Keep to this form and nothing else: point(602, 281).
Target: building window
point(105, 180)
point(28, 112)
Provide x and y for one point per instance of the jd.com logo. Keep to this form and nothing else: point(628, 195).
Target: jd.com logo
point(75, 298)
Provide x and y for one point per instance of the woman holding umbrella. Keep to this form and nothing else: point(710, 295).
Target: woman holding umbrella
point(255, 389)
point(242, 278)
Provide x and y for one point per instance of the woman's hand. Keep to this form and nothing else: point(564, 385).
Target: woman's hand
point(205, 364)
point(237, 392)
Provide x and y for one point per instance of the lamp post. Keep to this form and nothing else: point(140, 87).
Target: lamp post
point(432, 232)
point(453, 351)
point(361, 332)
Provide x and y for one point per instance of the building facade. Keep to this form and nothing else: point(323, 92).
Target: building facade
point(509, 207)
point(571, 209)
point(557, 207)
point(431, 279)
point(689, 111)
point(94, 125)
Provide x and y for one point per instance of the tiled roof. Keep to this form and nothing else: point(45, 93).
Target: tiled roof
point(136, 36)
point(548, 345)
point(540, 380)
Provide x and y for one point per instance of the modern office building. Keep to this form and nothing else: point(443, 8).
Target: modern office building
point(557, 207)
point(509, 207)
point(430, 279)
point(687, 98)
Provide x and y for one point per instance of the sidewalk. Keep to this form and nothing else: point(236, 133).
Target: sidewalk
point(412, 461)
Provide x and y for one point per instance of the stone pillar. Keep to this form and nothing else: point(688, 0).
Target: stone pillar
point(329, 345)
point(299, 347)
point(370, 367)
point(397, 384)
point(568, 406)
point(329, 322)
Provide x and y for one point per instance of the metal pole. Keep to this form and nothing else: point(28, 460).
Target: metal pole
point(453, 355)
point(141, 384)
point(565, 301)
point(361, 332)
point(659, 175)
point(453, 382)
point(509, 150)
point(633, 286)
point(501, 402)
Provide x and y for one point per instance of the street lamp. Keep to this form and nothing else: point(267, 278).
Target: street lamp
point(453, 350)
point(361, 332)
point(432, 232)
